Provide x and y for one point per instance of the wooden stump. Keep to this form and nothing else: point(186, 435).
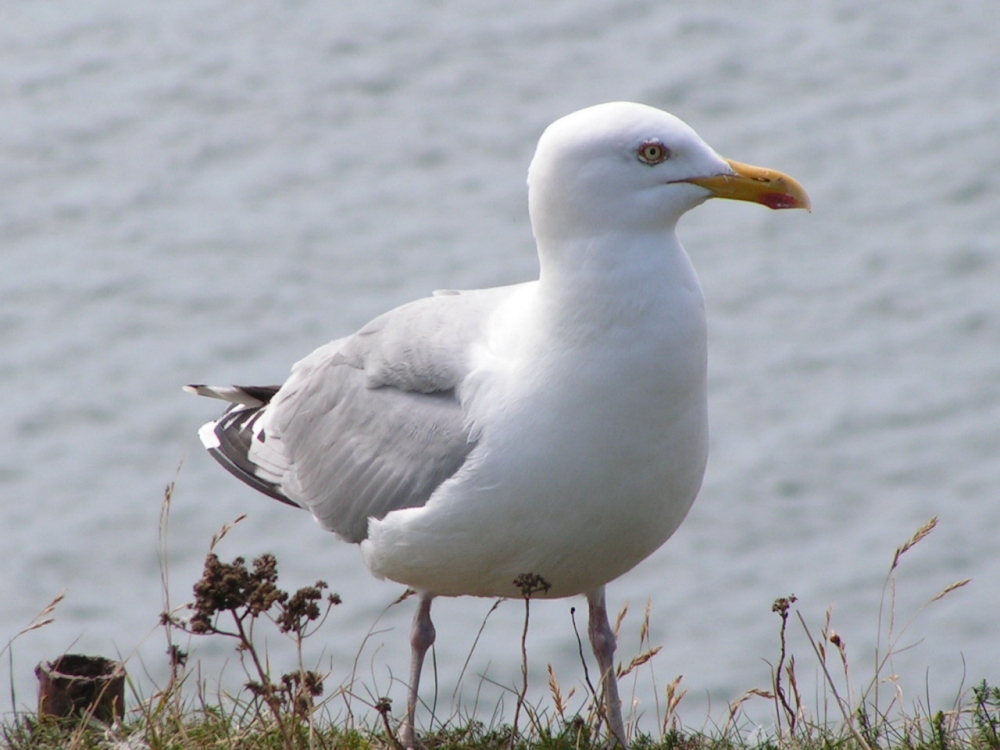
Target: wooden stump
point(78, 685)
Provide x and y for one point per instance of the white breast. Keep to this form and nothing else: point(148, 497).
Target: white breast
point(592, 429)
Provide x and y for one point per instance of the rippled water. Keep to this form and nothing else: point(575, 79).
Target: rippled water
point(206, 191)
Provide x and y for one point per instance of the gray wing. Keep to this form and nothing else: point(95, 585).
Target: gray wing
point(371, 423)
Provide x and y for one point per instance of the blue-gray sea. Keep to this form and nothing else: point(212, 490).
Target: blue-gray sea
point(206, 191)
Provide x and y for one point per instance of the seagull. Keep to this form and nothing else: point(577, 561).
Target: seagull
point(555, 429)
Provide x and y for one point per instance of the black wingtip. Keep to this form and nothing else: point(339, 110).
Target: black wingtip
point(234, 432)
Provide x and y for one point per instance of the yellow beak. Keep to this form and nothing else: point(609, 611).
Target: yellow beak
point(765, 186)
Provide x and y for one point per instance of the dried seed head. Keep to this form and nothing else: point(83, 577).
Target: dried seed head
point(232, 586)
point(301, 608)
point(530, 584)
point(922, 532)
point(951, 587)
point(782, 604)
point(178, 658)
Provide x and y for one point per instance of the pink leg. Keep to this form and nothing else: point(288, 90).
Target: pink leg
point(421, 639)
point(602, 638)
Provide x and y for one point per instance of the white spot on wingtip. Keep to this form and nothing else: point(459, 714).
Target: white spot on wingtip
point(208, 437)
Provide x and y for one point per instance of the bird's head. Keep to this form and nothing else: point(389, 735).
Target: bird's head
point(624, 167)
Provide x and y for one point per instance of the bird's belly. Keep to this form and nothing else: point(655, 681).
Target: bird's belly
point(577, 493)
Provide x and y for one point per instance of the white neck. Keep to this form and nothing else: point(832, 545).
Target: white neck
point(615, 280)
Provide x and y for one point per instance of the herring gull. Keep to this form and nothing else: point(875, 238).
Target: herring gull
point(556, 428)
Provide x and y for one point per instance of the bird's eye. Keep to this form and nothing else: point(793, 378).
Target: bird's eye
point(653, 152)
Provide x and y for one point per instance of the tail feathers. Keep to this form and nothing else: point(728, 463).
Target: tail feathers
point(245, 395)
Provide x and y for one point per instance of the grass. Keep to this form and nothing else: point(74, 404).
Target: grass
point(297, 710)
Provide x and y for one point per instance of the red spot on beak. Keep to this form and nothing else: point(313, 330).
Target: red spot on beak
point(779, 200)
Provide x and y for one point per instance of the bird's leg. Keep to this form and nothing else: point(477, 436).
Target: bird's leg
point(602, 638)
point(421, 639)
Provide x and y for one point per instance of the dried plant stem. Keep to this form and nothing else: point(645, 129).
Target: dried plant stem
point(781, 606)
point(475, 642)
point(270, 699)
point(841, 703)
point(529, 584)
point(583, 660)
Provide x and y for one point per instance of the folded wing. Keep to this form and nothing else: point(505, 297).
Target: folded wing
point(365, 425)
